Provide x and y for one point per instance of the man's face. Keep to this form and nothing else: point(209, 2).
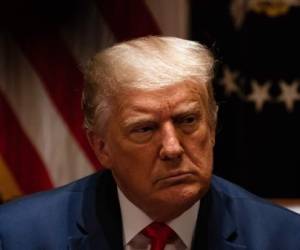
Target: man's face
point(159, 146)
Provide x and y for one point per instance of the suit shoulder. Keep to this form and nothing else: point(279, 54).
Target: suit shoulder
point(250, 206)
point(260, 223)
point(230, 189)
point(41, 206)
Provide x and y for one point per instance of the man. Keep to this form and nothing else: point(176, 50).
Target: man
point(150, 116)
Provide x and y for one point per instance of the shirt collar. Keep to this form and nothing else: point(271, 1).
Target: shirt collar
point(134, 220)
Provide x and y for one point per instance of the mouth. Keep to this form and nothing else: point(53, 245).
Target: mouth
point(176, 178)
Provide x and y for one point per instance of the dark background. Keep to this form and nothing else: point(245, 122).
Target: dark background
point(258, 149)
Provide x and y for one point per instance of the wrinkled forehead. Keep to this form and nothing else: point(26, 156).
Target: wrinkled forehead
point(178, 96)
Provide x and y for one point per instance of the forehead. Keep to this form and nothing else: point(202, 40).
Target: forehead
point(177, 98)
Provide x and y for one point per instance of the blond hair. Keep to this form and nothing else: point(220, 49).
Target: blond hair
point(145, 63)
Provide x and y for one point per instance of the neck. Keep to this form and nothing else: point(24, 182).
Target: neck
point(166, 212)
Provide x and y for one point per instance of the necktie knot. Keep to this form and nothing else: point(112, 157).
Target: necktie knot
point(159, 234)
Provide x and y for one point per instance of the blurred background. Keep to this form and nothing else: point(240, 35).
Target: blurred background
point(255, 42)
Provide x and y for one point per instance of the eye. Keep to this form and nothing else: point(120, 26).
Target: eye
point(144, 129)
point(189, 119)
point(142, 133)
point(188, 123)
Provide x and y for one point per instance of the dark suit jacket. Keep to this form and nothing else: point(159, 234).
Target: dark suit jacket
point(86, 215)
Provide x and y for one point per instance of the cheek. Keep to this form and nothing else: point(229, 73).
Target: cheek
point(132, 161)
point(205, 140)
point(137, 155)
point(200, 150)
point(129, 177)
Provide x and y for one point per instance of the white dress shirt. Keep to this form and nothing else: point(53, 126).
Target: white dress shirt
point(135, 220)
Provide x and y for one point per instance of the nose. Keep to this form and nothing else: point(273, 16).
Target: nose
point(171, 148)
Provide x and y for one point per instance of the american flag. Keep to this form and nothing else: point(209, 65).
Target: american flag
point(42, 140)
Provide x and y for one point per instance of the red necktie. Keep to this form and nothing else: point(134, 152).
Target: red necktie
point(159, 234)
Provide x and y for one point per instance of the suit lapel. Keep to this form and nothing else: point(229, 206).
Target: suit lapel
point(99, 224)
point(215, 228)
point(109, 212)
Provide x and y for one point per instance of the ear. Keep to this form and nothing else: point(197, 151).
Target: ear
point(100, 148)
point(214, 129)
point(213, 140)
point(212, 136)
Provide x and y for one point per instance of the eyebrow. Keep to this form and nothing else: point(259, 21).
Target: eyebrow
point(137, 120)
point(184, 108)
point(187, 108)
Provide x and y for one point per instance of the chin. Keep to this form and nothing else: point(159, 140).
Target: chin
point(174, 202)
point(183, 195)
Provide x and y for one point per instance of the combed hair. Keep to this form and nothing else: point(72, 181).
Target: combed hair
point(146, 63)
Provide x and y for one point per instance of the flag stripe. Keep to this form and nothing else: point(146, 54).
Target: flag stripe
point(30, 177)
point(172, 19)
point(38, 117)
point(9, 188)
point(42, 84)
point(62, 78)
point(128, 19)
point(88, 36)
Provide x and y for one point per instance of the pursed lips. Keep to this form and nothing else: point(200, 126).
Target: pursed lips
point(175, 176)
